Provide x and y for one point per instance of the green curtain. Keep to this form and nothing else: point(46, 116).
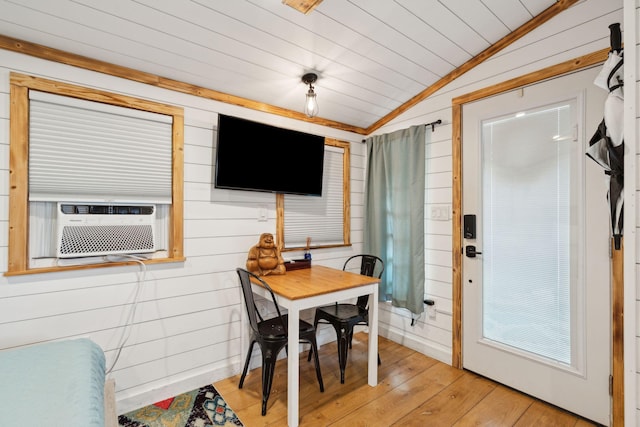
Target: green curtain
point(394, 214)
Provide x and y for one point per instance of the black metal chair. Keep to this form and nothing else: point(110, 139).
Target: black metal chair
point(271, 335)
point(344, 316)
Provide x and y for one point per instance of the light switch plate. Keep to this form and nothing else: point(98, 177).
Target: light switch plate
point(439, 213)
point(263, 214)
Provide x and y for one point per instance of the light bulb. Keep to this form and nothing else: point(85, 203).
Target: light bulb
point(311, 104)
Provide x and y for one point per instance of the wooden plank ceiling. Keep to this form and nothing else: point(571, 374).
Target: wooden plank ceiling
point(373, 57)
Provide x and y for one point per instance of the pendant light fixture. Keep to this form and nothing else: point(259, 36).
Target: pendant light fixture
point(311, 103)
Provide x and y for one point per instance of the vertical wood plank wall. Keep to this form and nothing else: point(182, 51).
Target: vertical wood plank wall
point(187, 325)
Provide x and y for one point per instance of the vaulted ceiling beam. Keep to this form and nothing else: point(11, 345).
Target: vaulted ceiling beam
point(526, 28)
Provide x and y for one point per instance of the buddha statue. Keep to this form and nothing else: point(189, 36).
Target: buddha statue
point(264, 258)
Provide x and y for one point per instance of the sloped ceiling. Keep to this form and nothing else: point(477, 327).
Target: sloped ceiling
point(374, 58)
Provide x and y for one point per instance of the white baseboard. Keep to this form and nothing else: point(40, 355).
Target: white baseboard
point(326, 334)
point(138, 398)
point(428, 348)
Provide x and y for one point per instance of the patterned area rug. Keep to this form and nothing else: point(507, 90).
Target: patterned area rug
point(197, 408)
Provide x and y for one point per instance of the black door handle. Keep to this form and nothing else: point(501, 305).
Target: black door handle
point(471, 252)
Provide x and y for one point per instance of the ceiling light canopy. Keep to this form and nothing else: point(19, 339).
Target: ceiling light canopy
point(311, 103)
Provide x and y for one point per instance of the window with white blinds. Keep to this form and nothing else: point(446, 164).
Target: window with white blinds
point(319, 218)
point(87, 151)
point(75, 144)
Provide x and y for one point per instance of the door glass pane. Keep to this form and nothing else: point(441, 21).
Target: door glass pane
point(527, 230)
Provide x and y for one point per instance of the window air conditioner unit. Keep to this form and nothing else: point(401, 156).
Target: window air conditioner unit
point(90, 230)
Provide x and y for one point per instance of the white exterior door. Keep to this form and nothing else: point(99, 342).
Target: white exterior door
point(536, 295)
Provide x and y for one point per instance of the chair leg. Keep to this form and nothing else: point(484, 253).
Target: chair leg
point(268, 369)
point(314, 348)
point(350, 347)
point(343, 348)
point(246, 364)
point(315, 325)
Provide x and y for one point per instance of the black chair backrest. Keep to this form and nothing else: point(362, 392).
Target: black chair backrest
point(252, 310)
point(370, 265)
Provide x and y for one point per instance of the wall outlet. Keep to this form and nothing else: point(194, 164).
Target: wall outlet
point(431, 311)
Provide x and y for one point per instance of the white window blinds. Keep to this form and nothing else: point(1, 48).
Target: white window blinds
point(320, 218)
point(86, 151)
point(531, 231)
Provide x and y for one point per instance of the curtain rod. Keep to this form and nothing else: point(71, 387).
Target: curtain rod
point(432, 124)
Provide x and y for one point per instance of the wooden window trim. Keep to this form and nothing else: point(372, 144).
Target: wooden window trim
point(346, 208)
point(18, 250)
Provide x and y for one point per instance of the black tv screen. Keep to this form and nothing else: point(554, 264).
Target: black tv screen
point(258, 157)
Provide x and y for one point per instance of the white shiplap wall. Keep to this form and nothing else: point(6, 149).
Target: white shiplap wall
point(187, 327)
point(578, 31)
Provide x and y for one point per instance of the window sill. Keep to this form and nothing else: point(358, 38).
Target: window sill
point(91, 266)
point(312, 248)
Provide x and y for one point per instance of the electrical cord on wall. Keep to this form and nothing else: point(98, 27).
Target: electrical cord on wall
point(126, 332)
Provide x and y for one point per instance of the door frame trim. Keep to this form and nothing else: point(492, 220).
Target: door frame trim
point(457, 103)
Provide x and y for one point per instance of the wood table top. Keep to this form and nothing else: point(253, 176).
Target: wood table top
point(315, 280)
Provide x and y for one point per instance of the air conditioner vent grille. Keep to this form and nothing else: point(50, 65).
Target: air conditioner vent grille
point(91, 240)
point(105, 229)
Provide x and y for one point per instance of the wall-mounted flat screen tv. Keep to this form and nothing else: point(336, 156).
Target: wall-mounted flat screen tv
point(259, 157)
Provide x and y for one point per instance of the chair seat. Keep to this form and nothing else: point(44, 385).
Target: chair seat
point(343, 317)
point(271, 335)
point(343, 312)
point(272, 328)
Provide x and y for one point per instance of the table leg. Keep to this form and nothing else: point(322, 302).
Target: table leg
point(293, 363)
point(373, 338)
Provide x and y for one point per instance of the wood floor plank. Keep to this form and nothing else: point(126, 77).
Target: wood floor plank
point(413, 390)
point(502, 407)
point(403, 398)
point(540, 413)
point(340, 400)
point(445, 408)
point(345, 401)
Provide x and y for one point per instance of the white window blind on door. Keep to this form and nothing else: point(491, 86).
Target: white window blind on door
point(320, 218)
point(531, 231)
point(86, 151)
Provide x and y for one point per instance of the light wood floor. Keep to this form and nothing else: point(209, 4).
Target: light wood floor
point(413, 390)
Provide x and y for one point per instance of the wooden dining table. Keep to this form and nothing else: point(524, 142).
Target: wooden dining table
point(315, 286)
